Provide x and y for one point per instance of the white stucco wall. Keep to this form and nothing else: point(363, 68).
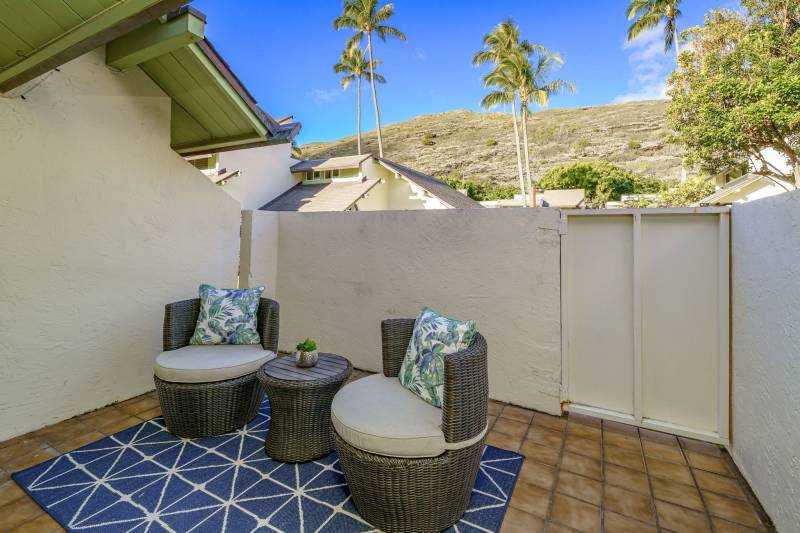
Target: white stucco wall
point(340, 274)
point(264, 174)
point(101, 224)
point(766, 352)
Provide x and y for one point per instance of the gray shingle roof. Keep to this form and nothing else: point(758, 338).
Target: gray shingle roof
point(437, 188)
point(330, 163)
point(338, 196)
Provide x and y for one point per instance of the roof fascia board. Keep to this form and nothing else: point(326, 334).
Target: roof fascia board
point(397, 172)
point(236, 97)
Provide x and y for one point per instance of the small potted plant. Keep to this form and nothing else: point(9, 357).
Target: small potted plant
point(306, 355)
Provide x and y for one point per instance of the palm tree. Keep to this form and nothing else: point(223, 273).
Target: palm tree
point(502, 41)
point(355, 66)
point(650, 13)
point(531, 81)
point(364, 17)
point(506, 94)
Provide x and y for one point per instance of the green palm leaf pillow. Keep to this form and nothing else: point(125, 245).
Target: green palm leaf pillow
point(227, 316)
point(434, 337)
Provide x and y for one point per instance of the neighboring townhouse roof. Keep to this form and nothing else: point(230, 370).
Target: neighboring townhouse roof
point(565, 198)
point(734, 187)
point(338, 196)
point(330, 163)
point(435, 187)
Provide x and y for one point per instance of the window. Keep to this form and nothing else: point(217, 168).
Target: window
point(317, 175)
point(335, 174)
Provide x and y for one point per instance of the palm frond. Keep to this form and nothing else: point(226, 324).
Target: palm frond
point(384, 31)
point(347, 80)
point(497, 98)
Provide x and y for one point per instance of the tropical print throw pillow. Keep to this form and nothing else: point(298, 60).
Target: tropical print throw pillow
point(434, 337)
point(227, 316)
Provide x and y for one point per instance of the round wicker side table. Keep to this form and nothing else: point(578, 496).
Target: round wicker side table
point(300, 406)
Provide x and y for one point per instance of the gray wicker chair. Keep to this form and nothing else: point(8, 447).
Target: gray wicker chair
point(211, 408)
point(423, 493)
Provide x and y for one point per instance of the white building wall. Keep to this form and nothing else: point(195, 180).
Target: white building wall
point(766, 353)
point(264, 174)
point(340, 274)
point(101, 224)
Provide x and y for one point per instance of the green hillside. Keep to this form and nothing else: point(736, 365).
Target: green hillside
point(480, 146)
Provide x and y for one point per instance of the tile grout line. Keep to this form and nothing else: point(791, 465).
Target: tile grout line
point(550, 503)
point(653, 506)
point(697, 486)
point(602, 475)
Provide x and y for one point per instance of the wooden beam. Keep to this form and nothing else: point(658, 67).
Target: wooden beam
point(113, 22)
point(211, 146)
point(155, 39)
point(230, 148)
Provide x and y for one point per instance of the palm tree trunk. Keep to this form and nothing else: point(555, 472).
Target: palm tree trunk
point(375, 96)
point(519, 153)
point(531, 189)
point(358, 115)
point(675, 38)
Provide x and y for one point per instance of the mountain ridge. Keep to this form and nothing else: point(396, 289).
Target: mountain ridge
point(479, 146)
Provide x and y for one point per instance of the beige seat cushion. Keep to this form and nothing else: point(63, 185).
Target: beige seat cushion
point(201, 364)
point(378, 415)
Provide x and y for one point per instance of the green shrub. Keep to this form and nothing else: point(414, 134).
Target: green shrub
point(427, 139)
point(634, 145)
point(602, 181)
point(491, 142)
point(580, 145)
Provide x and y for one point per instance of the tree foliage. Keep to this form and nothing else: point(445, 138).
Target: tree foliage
point(687, 193)
point(481, 191)
point(737, 90)
point(602, 181)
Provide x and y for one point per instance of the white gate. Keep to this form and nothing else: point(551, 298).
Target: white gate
point(645, 318)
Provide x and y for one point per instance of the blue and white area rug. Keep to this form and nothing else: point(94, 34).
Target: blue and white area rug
point(144, 479)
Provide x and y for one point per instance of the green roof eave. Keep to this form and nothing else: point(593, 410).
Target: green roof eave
point(29, 50)
point(210, 107)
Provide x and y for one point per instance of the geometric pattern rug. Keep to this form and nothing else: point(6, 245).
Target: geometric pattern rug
point(145, 480)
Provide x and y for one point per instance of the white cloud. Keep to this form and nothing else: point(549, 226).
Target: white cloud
point(650, 67)
point(323, 96)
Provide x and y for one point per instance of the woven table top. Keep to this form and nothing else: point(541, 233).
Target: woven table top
point(330, 366)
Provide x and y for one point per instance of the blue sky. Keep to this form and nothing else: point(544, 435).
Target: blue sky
point(283, 50)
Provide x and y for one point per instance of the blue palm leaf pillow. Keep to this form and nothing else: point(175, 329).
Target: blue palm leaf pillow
point(227, 316)
point(434, 337)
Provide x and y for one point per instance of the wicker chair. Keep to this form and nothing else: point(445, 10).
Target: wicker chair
point(212, 405)
point(415, 492)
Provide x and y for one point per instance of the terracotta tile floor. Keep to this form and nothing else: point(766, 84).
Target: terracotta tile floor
point(580, 474)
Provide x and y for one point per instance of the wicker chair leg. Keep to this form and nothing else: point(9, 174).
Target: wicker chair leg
point(193, 410)
point(400, 495)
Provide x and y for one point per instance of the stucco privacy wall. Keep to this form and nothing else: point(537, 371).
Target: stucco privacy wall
point(101, 224)
point(340, 274)
point(261, 228)
point(766, 352)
